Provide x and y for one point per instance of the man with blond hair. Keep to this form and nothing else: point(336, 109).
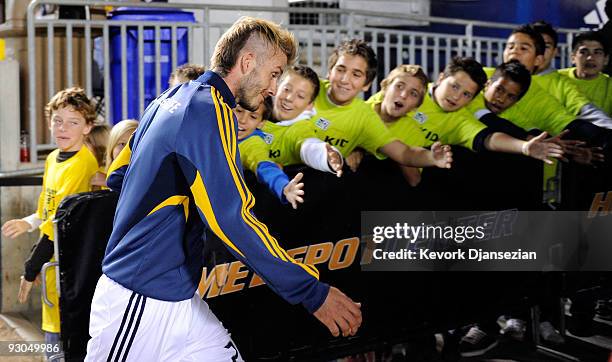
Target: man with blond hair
point(183, 178)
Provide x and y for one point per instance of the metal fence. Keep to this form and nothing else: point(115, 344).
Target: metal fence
point(428, 49)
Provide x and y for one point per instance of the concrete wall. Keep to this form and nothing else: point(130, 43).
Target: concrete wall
point(17, 201)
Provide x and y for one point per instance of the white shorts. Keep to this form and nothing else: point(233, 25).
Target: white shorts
point(126, 326)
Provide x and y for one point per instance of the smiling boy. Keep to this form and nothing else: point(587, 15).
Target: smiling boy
point(254, 152)
point(68, 170)
point(347, 122)
point(291, 138)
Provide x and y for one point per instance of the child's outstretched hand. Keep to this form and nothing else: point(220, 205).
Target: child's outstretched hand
point(442, 155)
point(566, 144)
point(293, 191)
point(540, 149)
point(14, 228)
point(334, 159)
point(354, 159)
point(24, 290)
point(589, 156)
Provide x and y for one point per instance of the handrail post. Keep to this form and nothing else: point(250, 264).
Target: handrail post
point(32, 80)
point(469, 36)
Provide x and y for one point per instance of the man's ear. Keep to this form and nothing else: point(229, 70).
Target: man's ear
point(487, 84)
point(309, 107)
point(606, 60)
point(440, 78)
point(247, 62)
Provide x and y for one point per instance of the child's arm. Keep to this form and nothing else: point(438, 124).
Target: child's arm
point(591, 113)
point(536, 147)
point(41, 253)
point(321, 156)
point(14, 228)
point(412, 175)
point(439, 156)
point(278, 183)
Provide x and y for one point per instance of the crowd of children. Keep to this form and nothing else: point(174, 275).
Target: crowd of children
point(523, 106)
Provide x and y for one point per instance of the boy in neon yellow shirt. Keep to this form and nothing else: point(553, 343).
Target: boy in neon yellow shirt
point(590, 56)
point(254, 146)
point(443, 115)
point(68, 170)
point(560, 87)
point(538, 109)
point(347, 122)
point(402, 92)
point(292, 139)
point(254, 153)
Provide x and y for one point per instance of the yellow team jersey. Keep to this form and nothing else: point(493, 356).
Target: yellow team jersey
point(563, 90)
point(253, 150)
point(405, 129)
point(537, 110)
point(60, 180)
point(350, 126)
point(453, 128)
point(598, 90)
point(286, 140)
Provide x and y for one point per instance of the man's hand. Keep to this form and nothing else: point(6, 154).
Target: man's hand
point(14, 228)
point(339, 314)
point(293, 191)
point(354, 159)
point(24, 290)
point(442, 155)
point(334, 159)
point(540, 149)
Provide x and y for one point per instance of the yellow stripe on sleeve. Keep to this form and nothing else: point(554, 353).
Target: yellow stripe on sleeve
point(172, 201)
point(221, 120)
point(203, 202)
point(248, 200)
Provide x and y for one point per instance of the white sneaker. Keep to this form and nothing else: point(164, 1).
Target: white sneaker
point(513, 327)
point(550, 334)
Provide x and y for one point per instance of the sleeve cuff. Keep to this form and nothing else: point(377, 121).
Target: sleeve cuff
point(315, 301)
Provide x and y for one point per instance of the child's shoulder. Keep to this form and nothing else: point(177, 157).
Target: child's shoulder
point(86, 159)
point(53, 155)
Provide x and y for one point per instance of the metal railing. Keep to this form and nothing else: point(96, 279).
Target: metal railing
point(428, 49)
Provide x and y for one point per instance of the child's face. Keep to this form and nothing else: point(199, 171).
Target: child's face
point(501, 94)
point(455, 91)
point(549, 51)
point(520, 46)
point(69, 129)
point(404, 94)
point(347, 78)
point(248, 121)
point(590, 59)
point(293, 97)
point(121, 142)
